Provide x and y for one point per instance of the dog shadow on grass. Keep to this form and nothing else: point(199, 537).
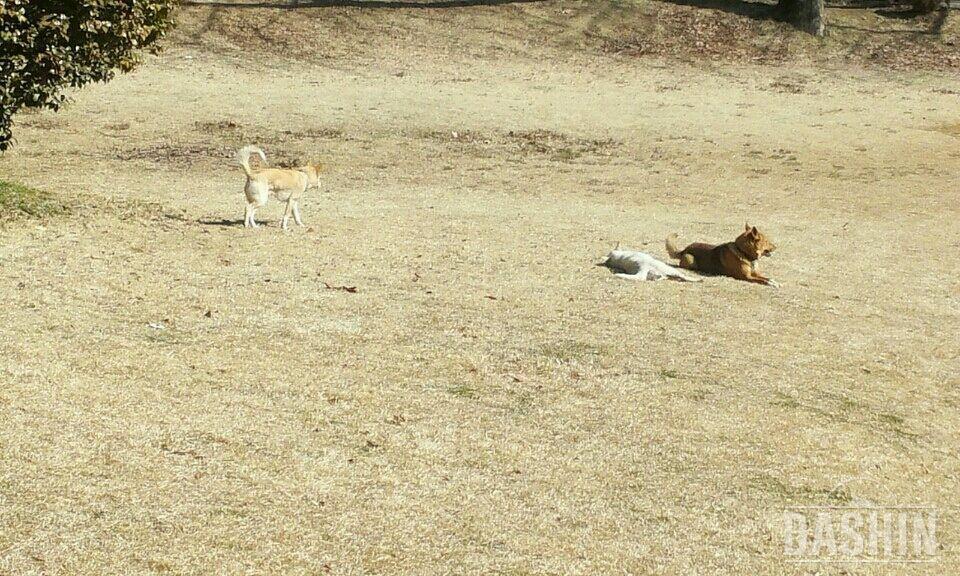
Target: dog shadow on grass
point(222, 222)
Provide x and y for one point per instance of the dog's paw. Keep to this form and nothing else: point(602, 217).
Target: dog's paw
point(773, 283)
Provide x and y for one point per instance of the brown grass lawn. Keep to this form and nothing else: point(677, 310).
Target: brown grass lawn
point(180, 395)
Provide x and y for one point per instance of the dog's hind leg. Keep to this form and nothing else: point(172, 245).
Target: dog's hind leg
point(642, 274)
point(249, 216)
point(257, 195)
point(296, 214)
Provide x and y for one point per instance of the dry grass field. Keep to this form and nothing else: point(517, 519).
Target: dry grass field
point(433, 377)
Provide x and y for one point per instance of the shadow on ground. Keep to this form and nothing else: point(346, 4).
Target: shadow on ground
point(293, 4)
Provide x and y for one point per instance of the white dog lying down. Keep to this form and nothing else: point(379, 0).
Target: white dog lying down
point(634, 265)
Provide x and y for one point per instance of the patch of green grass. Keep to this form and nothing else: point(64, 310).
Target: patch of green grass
point(570, 350)
point(566, 155)
point(892, 420)
point(802, 494)
point(785, 400)
point(463, 391)
point(21, 201)
point(524, 401)
point(163, 335)
point(897, 425)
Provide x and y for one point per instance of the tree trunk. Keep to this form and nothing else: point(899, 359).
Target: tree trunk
point(805, 14)
point(927, 6)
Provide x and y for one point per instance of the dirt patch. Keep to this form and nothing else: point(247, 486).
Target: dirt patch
point(745, 32)
point(174, 154)
point(691, 34)
point(546, 144)
point(219, 140)
point(952, 129)
point(791, 85)
point(238, 132)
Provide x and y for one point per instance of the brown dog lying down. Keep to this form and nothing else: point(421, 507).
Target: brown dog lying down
point(737, 259)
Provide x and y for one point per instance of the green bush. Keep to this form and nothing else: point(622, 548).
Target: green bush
point(48, 45)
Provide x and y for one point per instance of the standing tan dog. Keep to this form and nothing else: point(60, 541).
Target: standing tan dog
point(285, 184)
point(737, 259)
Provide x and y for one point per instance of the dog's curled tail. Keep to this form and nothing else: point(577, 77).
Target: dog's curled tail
point(243, 157)
point(672, 248)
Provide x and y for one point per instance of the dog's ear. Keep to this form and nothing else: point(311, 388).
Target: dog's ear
point(746, 227)
point(754, 231)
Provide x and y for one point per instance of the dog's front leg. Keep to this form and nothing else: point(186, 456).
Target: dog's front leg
point(761, 279)
point(286, 214)
point(747, 272)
